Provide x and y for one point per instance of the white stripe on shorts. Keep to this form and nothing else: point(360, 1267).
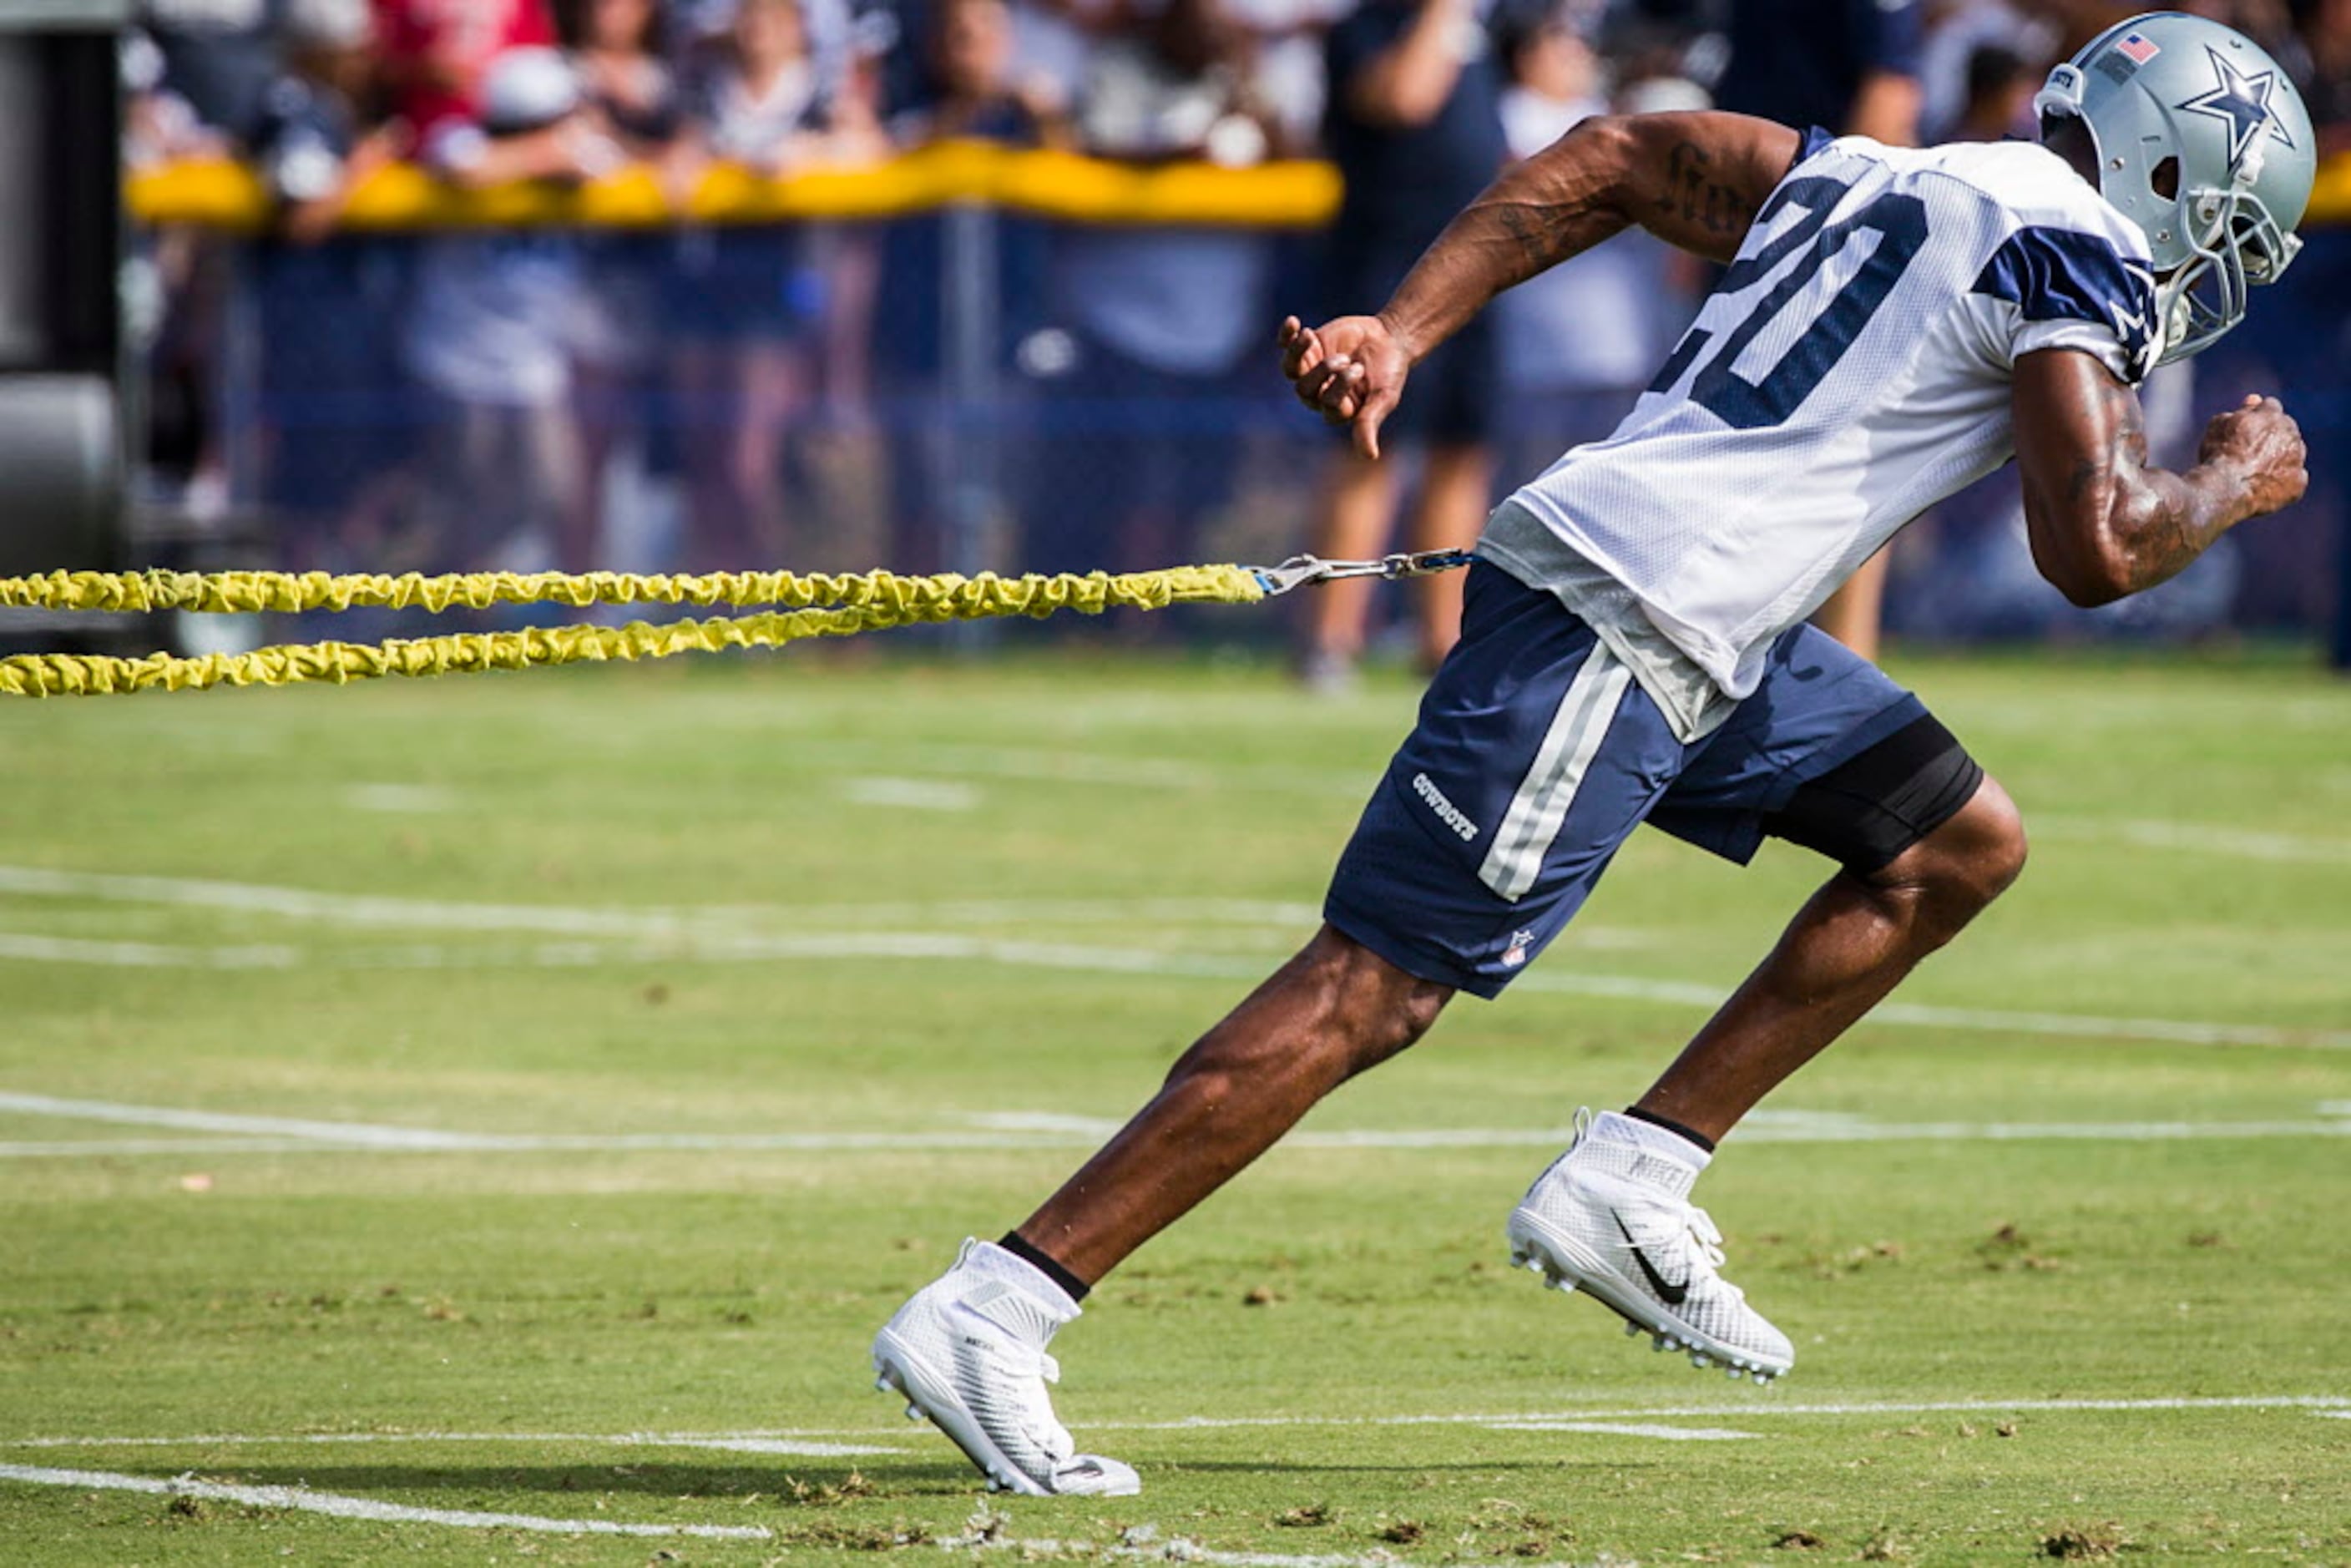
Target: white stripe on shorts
point(1549, 788)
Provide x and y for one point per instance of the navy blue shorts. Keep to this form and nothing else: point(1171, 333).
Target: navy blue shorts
point(1537, 754)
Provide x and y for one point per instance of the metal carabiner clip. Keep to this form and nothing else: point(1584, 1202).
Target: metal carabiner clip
point(1301, 570)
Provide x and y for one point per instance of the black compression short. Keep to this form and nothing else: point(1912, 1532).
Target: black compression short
point(1864, 813)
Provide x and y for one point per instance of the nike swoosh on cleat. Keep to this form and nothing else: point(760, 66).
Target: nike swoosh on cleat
point(1672, 1295)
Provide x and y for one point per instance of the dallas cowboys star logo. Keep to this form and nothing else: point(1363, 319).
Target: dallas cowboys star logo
point(2243, 101)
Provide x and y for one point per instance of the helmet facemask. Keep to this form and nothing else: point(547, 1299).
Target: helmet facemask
point(2237, 245)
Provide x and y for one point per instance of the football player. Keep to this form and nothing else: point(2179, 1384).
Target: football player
point(1893, 324)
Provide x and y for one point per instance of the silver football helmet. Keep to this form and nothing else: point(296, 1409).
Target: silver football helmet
point(2204, 144)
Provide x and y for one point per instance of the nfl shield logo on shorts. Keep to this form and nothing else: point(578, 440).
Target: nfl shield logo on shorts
point(1515, 954)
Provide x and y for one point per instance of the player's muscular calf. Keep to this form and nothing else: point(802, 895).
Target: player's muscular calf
point(1694, 180)
point(1853, 943)
point(1334, 1011)
point(2104, 522)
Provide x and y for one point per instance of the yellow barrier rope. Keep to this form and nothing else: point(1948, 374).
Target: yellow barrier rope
point(833, 607)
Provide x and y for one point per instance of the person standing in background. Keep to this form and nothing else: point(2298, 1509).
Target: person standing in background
point(1850, 66)
point(219, 56)
point(2001, 85)
point(618, 50)
point(487, 331)
point(1415, 125)
point(748, 303)
point(1956, 32)
point(432, 55)
point(1578, 342)
point(1286, 47)
point(1144, 401)
point(198, 71)
point(322, 312)
point(963, 77)
point(973, 84)
point(2321, 61)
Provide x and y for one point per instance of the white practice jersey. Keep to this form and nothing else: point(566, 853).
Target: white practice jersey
point(1852, 368)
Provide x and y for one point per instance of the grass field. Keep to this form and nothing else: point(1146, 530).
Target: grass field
point(524, 1095)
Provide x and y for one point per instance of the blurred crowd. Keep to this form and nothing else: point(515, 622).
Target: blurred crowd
point(1047, 396)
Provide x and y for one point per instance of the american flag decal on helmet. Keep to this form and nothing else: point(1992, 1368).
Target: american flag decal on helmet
point(2136, 47)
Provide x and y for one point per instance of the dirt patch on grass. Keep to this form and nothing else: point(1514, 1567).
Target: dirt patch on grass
point(2082, 1545)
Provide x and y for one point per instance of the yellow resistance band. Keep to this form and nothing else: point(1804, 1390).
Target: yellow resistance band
point(816, 605)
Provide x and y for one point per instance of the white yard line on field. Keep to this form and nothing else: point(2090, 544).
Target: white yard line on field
point(31, 947)
point(1996, 1020)
point(1764, 1403)
point(1630, 1430)
point(912, 794)
point(717, 934)
point(371, 910)
point(1120, 771)
point(1127, 770)
point(557, 1143)
point(370, 1509)
point(1765, 1126)
point(1753, 1406)
point(734, 1442)
point(1147, 1545)
point(1013, 1130)
point(1143, 1544)
point(2199, 838)
point(340, 909)
point(682, 943)
point(399, 798)
point(345, 1134)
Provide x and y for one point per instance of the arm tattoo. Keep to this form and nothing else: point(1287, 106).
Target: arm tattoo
point(1695, 198)
point(1538, 231)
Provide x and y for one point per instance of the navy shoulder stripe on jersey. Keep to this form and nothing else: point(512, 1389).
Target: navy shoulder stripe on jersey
point(2065, 275)
point(1815, 139)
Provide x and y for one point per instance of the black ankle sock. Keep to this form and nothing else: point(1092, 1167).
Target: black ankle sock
point(1675, 1128)
point(1019, 1248)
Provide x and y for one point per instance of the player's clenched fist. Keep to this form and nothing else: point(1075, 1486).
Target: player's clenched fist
point(2260, 442)
point(1351, 370)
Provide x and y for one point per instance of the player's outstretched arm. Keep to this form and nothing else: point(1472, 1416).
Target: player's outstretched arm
point(1696, 179)
point(2106, 523)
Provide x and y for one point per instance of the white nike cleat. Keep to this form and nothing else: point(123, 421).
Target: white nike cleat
point(1616, 1219)
point(968, 1352)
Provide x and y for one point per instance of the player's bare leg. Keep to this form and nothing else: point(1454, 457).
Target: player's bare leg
point(1850, 944)
point(1358, 508)
point(969, 1350)
point(1612, 1215)
point(1456, 493)
point(1856, 612)
point(1331, 1013)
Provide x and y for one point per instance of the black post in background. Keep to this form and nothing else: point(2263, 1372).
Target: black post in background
point(61, 457)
